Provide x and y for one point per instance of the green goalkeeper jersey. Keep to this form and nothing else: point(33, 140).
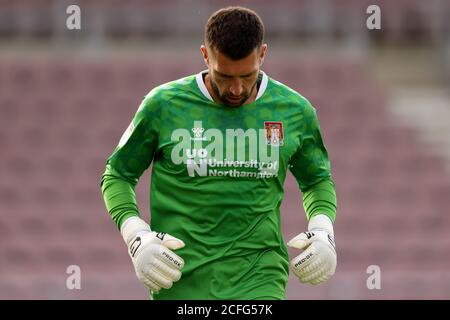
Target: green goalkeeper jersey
point(217, 182)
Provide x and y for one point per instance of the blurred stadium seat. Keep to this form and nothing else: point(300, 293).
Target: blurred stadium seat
point(60, 120)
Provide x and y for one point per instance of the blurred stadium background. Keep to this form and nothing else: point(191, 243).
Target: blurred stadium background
point(383, 99)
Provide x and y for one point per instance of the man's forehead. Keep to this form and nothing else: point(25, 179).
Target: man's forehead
point(226, 66)
point(214, 52)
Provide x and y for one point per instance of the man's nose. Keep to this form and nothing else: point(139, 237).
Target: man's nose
point(236, 88)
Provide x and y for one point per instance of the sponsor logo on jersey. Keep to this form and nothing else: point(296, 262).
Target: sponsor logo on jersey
point(274, 133)
point(198, 134)
point(234, 152)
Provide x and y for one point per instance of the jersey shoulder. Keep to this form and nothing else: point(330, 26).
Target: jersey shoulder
point(283, 93)
point(165, 93)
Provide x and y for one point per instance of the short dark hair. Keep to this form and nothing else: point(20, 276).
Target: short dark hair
point(234, 31)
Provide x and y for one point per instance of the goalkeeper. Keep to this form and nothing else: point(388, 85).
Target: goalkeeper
point(221, 143)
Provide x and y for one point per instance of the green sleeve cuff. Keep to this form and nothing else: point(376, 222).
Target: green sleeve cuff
point(119, 197)
point(321, 199)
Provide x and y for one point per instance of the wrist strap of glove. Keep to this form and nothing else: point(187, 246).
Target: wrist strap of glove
point(321, 222)
point(133, 226)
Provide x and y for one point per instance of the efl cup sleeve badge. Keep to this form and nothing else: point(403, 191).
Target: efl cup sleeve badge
point(274, 133)
point(126, 135)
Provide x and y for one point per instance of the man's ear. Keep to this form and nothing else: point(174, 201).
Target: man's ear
point(262, 53)
point(204, 54)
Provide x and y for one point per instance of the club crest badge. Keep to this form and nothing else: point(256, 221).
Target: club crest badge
point(274, 133)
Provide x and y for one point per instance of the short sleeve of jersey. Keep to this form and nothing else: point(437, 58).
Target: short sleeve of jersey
point(137, 146)
point(310, 163)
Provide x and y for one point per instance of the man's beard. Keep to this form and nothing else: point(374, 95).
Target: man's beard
point(224, 98)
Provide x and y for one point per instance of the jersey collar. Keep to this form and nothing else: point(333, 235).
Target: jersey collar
point(202, 86)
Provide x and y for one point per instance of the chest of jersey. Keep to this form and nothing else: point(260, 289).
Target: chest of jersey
point(198, 138)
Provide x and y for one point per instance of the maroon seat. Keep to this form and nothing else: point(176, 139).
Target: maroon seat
point(391, 190)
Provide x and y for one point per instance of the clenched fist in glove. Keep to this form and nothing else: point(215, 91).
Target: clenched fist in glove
point(317, 262)
point(156, 265)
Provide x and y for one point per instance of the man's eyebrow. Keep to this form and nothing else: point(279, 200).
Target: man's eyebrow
point(228, 76)
point(222, 74)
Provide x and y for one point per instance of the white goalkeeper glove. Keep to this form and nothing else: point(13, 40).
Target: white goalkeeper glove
point(317, 263)
point(155, 264)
